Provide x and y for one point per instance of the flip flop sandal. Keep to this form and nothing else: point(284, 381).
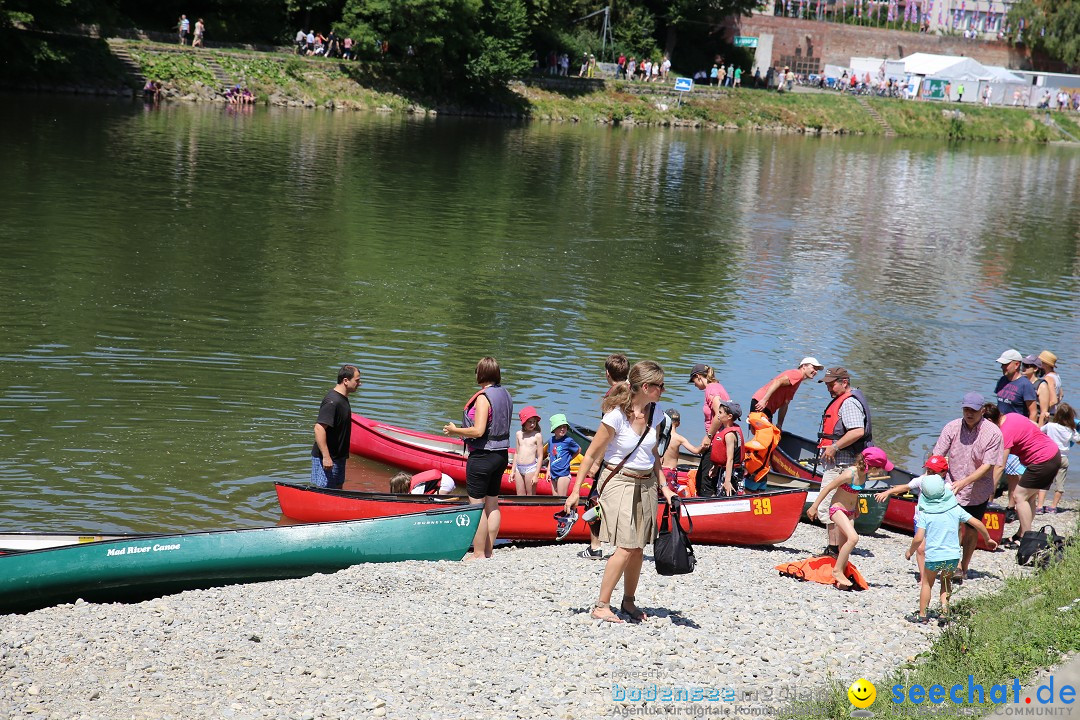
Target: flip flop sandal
point(636, 615)
point(564, 522)
point(917, 619)
point(605, 606)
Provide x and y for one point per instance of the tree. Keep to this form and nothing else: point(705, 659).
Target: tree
point(1052, 26)
point(679, 15)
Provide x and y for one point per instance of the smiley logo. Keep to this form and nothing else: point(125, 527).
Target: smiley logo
point(862, 693)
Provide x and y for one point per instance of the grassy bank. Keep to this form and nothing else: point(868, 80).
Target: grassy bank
point(995, 638)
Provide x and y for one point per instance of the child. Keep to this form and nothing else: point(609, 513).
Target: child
point(670, 462)
point(562, 450)
point(529, 455)
point(938, 467)
point(727, 451)
point(845, 505)
point(1062, 430)
point(429, 482)
point(938, 525)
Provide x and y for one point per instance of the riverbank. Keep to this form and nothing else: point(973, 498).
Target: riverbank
point(509, 638)
point(282, 79)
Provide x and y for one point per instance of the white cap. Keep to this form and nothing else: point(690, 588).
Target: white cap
point(812, 361)
point(1009, 356)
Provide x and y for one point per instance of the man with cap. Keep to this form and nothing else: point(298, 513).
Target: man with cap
point(727, 454)
point(776, 396)
point(845, 432)
point(1015, 393)
point(973, 447)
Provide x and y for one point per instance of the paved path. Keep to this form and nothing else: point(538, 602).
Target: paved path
point(1067, 673)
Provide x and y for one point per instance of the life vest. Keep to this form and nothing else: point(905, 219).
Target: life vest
point(430, 479)
point(718, 452)
point(497, 434)
point(832, 427)
point(760, 447)
point(819, 570)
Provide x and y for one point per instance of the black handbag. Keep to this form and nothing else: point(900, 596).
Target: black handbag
point(672, 551)
point(1039, 547)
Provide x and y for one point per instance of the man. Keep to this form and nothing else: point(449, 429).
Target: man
point(333, 430)
point(1015, 393)
point(776, 396)
point(973, 446)
point(301, 42)
point(183, 28)
point(845, 432)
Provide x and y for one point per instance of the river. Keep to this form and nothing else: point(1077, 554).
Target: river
point(180, 284)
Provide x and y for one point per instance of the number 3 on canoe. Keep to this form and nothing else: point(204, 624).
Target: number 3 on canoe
point(862, 506)
point(762, 506)
point(990, 520)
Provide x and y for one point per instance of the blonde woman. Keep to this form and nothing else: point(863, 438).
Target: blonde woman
point(629, 481)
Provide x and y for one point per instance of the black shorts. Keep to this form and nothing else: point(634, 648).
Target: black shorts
point(764, 410)
point(976, 511)
point(1040, 476)
point(483, 472)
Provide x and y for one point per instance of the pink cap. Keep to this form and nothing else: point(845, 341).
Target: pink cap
point(527, 413)
point(876, 457)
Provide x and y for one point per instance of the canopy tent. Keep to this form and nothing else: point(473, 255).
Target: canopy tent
point(948, 67)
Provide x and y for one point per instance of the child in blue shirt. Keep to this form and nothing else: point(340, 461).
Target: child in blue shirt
point(938, 524)
point(561, 452)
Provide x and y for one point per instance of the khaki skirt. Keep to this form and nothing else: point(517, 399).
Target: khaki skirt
point(628, 511)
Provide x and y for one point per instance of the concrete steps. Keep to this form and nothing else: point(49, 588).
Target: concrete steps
point(132, 68)
point(889, 132)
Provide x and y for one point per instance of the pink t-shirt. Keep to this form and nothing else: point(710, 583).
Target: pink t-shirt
point(1023, 439)
point(784, 393)
point(712, 390)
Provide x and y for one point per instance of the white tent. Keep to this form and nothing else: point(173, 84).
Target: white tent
point(946, 67)
point(862, 65)
point(999, 74)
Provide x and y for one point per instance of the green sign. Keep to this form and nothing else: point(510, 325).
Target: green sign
point(745, 41)
point(933, 89)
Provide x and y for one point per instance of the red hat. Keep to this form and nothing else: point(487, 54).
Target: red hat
point(527, 413)
point(937, 464)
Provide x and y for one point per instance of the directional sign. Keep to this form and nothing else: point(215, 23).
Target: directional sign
point(684, 84)
point(745, 41)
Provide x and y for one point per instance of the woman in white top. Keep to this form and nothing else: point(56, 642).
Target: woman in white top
point(628, 498)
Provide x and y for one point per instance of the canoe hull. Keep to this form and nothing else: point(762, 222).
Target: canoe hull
point(136, 569)
point(762, 519)
point(901, 516)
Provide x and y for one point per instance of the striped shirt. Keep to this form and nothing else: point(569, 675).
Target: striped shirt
point(968, 450)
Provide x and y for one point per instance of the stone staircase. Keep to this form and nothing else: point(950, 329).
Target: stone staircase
point(888, 131)
point(132, 68)
point(223, 78)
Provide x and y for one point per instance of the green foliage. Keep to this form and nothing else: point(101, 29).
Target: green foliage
point(1052, 26)
point(501, 54)
point(183, 68)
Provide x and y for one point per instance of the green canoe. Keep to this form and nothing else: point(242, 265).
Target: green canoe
point(141, 567)
point(871, 512)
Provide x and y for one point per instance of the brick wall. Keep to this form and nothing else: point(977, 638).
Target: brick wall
point(836, 43)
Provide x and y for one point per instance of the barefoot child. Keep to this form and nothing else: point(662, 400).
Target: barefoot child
point(845, 505)
point(529, 454)
point(938, 467)
point(561, 451)
point(669, 464)
point(938, 524)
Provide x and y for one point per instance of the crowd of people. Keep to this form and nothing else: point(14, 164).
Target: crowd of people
point(315, 44)
point(1023, 435)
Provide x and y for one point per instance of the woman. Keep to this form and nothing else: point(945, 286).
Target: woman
point(703, 378)
point(1036, 452)
point(486, 432)
point(629, 480)
point(1032, 368)
point(1049, 361)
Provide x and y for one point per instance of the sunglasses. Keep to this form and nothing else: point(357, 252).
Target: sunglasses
point(659, 385)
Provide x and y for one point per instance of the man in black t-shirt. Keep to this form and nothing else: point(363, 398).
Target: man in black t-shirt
point(333, 430)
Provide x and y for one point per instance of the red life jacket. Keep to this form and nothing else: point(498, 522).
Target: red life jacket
point(718, 453)
point(831, 418)
point(430, 479)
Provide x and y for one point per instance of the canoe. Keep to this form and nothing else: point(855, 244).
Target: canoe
point(137, 568)
point(419, 451)
point(871, 511)
point(583, 436)
point(22, 541)
point(761, 519)
point(795, 456)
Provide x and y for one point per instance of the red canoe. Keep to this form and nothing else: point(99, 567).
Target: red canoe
point(900, 515)
point(761, 519)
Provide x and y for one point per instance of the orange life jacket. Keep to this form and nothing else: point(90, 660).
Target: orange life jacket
point(760, 447)
point(829, 419)
point(819, 570)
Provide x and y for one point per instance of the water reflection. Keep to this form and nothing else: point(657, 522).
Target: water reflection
point(180, 285)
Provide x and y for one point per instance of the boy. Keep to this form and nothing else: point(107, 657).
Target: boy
point(561, 451)
point(529, 455)
point(670, 462)
point(938, 524)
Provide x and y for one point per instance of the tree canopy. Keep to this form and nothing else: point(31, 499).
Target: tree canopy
point(1052, 26)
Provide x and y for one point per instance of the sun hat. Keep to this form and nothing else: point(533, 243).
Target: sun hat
point(527, 413)
point(973, 401)
point(811, 360)
point(557, 421)
point(1009, 356)
point(733, 408)
point(937, 464)
point(876, 457)
point(699, 369)
point(936, 497)
point(1048, 358)
point(836, 373)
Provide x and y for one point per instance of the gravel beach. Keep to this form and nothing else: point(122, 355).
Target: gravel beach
point(508, 637)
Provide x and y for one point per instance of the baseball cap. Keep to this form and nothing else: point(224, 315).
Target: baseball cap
point(1009, 356)
point(699, 369)
point(810, 360)
point(876, 457)
point(937, 464)
point(836, 373)
point(973, 401)
point(557, 421)
point(527, 413)
point(732, 407)
point(1033, 360)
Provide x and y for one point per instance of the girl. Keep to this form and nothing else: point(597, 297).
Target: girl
point(1062, 430)
point(845, 505)
point(529, 455)
point(703, 378)
point(628, 480)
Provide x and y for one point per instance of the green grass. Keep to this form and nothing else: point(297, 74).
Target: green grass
point(995, 638)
